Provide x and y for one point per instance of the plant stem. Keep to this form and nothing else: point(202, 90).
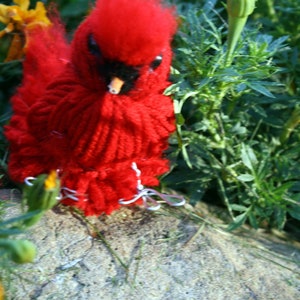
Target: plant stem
point(238, 12)
point(225, 198)
point(103, 240)
point(271, 10)
point(235, 28)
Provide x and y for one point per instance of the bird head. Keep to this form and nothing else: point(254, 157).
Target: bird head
point(121, 41)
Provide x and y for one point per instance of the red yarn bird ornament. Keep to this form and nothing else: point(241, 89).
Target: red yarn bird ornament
point(95, 109)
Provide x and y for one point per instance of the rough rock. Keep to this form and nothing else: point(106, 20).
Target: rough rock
point(166, 255)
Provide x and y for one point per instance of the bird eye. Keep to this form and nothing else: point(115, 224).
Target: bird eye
point(156, 62)
point(93, 46)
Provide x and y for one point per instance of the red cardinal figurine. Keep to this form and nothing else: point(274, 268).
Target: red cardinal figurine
point(94, 110)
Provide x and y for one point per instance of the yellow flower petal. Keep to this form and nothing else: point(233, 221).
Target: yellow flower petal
point(41, 13)
point(4, 18)
point(51, 180)
point(15, 13)
point(21, 20)
point(37, 15)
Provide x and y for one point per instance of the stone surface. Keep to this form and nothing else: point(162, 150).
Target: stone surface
point(160, 256)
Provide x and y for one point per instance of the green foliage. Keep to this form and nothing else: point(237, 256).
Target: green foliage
point(10, 77)
point(13, 251)
point(19, 251)
point(237, 134)
point(281, 18)
point(72, 12)
point(39, 196)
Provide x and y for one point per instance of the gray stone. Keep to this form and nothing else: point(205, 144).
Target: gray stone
point(164, 255)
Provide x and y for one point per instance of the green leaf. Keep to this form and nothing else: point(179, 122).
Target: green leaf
point(248, 157)
point(18, 219)
point(186, 157)
point(260, 89)
point(280, 217)
point(245, 177)
point(179, 119)
point(10, 231)
point(170, 90)
point(294, 211)
point(239, 221)
point(238, 207)
point(252, 220)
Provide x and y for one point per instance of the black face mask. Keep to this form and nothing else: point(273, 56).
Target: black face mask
point(109, 69)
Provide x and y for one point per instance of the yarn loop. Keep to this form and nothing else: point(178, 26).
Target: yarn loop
point(145, 194)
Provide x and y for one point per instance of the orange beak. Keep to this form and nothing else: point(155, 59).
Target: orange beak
point(115, 85)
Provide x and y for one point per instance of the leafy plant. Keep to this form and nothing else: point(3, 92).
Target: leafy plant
point(39, 196)
point(237, 130)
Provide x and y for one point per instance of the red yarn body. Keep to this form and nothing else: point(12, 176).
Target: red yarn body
point(64, 117)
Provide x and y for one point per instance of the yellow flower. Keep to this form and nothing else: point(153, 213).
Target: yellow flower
point(51, 181)
point(41, 195)
point(20, 20)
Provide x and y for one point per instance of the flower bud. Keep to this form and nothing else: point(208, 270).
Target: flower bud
point(41, 195)
point(43, 192)
point(21, 251)
point(238, 12)
point(240, 8)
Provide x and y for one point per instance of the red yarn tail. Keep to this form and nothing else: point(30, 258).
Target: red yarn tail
point(46, 54)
